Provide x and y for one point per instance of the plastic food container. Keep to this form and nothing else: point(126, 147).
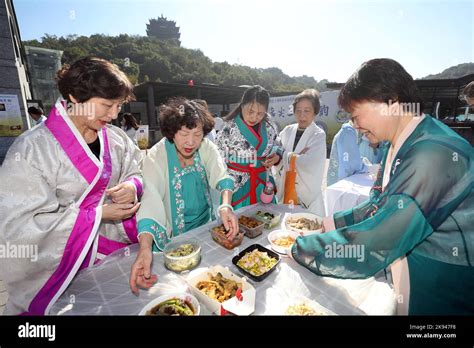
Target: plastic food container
point(270, 219)
point(252, 227)
point(183, 255)
point(219, 236)
point(251, 248)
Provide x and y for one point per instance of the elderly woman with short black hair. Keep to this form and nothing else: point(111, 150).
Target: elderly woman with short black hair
point(178, 173)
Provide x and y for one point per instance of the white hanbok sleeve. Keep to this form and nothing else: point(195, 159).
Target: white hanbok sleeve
point(31, 216)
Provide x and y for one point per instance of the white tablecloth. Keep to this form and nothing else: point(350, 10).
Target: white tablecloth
point(347, 193)
point(103, 289)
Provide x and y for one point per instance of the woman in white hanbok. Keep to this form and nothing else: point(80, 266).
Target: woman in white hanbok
point(70, 188)
point(307, 142)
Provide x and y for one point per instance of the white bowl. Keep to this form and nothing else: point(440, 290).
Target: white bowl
point(307, 216)
point(272, 236)
point(183, 296)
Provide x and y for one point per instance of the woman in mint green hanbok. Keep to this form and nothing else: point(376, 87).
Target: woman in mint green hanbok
point(178, 173)
point(248, 142)
point(419, 219)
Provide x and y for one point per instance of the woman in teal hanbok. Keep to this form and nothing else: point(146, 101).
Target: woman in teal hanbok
point(419, 219)
point(249, 143)
point(178, 173)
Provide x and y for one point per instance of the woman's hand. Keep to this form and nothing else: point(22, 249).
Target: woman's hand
point(140, 276)
point(230, 221)
point(118, 212)
point(122, 193)
point(271, 160)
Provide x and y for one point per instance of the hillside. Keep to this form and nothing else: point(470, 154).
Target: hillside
point(453, 72)
point(151, 59)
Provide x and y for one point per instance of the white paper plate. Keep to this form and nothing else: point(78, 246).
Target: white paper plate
point(307, 216)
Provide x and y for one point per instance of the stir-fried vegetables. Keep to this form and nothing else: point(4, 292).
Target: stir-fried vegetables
point(174, 306)
point(182, 250)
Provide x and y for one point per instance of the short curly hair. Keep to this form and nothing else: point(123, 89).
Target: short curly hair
point(94, 77)
point(179, 112)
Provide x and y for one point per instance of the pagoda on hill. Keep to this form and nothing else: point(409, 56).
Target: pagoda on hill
point(163, 29)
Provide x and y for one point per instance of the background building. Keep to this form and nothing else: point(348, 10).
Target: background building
point(43, 64)
point(14, 78)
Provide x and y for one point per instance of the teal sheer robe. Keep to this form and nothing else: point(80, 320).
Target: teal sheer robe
point(426, 212)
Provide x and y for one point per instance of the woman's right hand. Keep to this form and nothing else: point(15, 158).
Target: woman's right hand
point(140, 276)
point(118, 211)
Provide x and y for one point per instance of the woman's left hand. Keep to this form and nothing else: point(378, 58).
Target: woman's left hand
point(230, 221)
point(122, 193)
point(271, 160)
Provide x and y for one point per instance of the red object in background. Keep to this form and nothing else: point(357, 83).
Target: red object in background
point(191, 83)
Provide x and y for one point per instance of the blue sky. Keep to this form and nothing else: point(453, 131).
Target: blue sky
point(324, 39)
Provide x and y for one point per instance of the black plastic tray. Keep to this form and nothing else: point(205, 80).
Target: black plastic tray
point(259, 278)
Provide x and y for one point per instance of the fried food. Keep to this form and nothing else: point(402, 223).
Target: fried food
point(219, 235)
point(302, 224)
point(218, 288)
point(302, 309)
point(249, 222)
point(284, 242)
point(220, 229)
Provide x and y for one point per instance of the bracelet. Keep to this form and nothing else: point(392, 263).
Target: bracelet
point(225, 206)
